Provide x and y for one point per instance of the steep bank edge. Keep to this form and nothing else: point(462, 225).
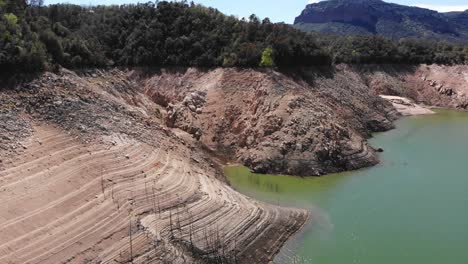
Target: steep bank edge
point(301, 122)
point(432, 85)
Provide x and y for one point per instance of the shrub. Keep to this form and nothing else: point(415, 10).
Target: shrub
point(267, 58)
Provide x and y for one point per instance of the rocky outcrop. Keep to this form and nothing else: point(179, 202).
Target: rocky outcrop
point(433, 85)
point(303, 123)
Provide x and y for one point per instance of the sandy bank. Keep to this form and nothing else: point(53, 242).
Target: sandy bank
point(406, 106)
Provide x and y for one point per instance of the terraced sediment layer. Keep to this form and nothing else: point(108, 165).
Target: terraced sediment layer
point(89, 173)
point(68, 202)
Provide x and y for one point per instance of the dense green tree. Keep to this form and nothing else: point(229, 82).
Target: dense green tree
point(53, 45)
point(267, 58)
point(35, 37)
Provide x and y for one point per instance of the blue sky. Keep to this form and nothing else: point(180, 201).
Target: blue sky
point(279, 10)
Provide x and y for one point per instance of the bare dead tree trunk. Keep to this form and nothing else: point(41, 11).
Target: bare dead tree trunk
point(190, 232)
point(146, 193)
point(170, 223)
point(235, 250)
point(178, 218)
point(159, 207)
point(155, 247)
point(131, 242)
point(154, 202)
point(102, 183)
point(112, 192)
point(206, 238)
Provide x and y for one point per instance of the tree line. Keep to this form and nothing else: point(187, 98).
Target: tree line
point(35, 38)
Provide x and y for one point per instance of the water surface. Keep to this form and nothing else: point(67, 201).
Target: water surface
point(410, 209)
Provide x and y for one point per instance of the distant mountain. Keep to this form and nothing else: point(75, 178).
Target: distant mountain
point(357, 17)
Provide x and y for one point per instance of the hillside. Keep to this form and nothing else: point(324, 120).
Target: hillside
point(89, 172)
point(122, 165)
point(116, 122)
point(169, 34)
point(354, 17)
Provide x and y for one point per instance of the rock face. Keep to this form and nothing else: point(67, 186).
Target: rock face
point(302, 124)
point(350, 17)
point(432, 85)
point(306, 122)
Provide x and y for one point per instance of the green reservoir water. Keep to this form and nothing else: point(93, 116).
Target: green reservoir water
point(410, 209)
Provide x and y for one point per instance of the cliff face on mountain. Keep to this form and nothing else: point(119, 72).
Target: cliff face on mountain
point(352, 17)
point(125, 165)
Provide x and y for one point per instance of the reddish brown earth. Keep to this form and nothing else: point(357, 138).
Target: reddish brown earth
point(119, 166)
point(309, 123)
point(433, 85)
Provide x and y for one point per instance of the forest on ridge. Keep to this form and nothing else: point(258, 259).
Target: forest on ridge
point(34, 38)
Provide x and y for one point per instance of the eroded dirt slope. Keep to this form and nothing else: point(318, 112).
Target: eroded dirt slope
point(309, 122)
point(89, 175)
point(303, 121)
point(121, 165)
point(433, 85)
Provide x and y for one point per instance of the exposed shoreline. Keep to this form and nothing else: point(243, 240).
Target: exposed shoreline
point(97, 143)
point(407, 107)
point(330, 194)
point(429, 85)
point(304, 122)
